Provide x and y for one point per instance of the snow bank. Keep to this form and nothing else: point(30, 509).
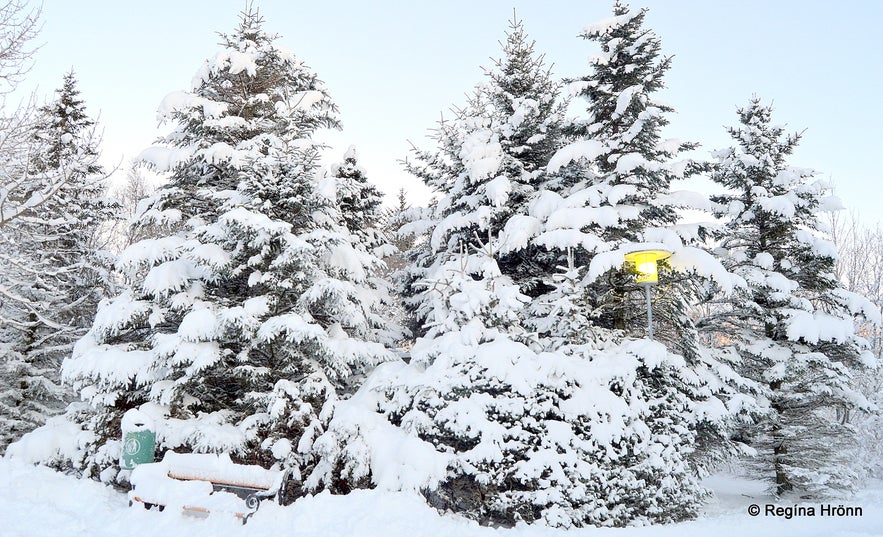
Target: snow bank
point(38, 501)
point(59, 439)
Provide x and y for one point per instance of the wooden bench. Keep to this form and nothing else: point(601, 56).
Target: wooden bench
point(204, 483)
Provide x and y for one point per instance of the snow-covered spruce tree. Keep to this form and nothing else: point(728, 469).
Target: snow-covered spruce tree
point(359, 203)
point(393, 219)
point(238, 326)
point(622, 172)
point(54, 268)
point(488, 162)
point(358, 199)
point(610, 192)
point(793, 325)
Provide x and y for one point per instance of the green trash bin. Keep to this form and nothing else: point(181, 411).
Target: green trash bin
point(139, 440)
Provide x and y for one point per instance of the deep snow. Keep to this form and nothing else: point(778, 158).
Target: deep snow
point(36, 501)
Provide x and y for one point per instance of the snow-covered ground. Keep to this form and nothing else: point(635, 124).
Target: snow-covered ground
point(35, 501)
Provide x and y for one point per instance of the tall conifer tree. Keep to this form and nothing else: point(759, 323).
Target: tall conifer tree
point(252, 311)
point(793, 326)
point(54, 267)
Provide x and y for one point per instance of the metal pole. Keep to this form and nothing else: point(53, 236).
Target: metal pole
point(649, 311)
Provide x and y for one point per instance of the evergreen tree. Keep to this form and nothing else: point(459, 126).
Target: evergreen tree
point(253, 310)
point(793, 325)
point(359, 200)
point(620, 168)
point(359, 203)
point(607, 192)
point(55, 270)
point(488, 164)
point(394, 218)
point(485, 166)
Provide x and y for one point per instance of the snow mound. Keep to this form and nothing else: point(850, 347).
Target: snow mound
point(39, 501)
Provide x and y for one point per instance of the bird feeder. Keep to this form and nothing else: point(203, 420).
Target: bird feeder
point(645, 262)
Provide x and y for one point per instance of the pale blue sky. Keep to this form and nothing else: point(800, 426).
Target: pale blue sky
point(393, 67)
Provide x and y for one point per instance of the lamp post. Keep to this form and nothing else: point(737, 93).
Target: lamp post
point(645, 262)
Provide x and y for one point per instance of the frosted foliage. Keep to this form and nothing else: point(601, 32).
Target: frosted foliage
point(487, 163)
point(624, 167)
point(609, 193)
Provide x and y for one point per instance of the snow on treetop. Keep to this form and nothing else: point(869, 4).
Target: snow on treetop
point(350, 153)
point(235, 62)
point(605, 26)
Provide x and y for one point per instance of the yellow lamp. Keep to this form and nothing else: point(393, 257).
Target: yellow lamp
point(645, 263)
point(648, 275)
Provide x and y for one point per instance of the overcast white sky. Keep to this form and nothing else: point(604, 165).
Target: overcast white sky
point(393, 67)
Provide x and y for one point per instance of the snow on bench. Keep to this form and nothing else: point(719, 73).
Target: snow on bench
point(203, 483)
